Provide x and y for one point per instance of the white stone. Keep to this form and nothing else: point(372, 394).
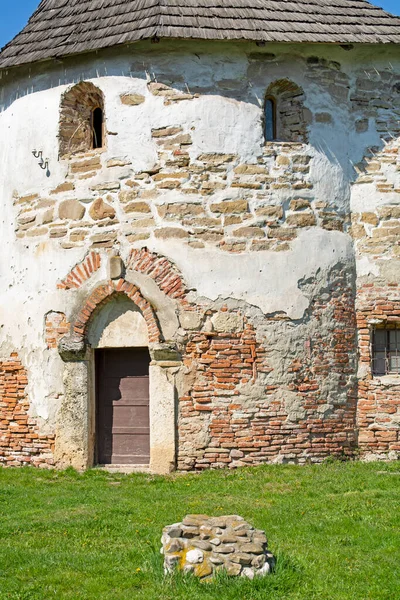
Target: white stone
point(247, 572)
point(265, 570)
point(195, 556)
point(190, 319)
point(227, 322)
point(162, 420)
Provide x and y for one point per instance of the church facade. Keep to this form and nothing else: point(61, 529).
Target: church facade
point(200, 236)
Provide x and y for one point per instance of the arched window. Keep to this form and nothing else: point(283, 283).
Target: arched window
point(270, 119)
point(284, 113)
point(81, 119)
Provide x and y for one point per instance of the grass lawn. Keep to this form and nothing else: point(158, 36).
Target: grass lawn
point(334, 528)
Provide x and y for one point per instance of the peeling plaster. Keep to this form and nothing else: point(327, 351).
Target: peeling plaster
point(257, 278)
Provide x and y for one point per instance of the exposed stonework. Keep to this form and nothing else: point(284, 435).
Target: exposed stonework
point(247, 404)
point(76, 128)
point(205, 545)
point(377, 96)
point(21, 442)
point(132, 99)
point(291, 123)
point(256, 220)
point(241, 265)
point(376, 233)
point(169, 93)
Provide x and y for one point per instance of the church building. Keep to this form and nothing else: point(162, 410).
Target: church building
point(200, 234)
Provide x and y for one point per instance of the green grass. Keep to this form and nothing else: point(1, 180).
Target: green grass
point(334, 528)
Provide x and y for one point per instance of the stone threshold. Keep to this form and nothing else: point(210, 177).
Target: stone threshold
point(126, 469)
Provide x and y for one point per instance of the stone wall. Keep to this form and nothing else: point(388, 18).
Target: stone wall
point(218, 200)
point(248, 260)
point(376, 233)
point(290, 398)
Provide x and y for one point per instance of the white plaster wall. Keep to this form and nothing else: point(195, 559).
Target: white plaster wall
point(267, 280)
point(29, 271)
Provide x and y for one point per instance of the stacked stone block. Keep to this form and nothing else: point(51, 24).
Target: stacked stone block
point(205, 545)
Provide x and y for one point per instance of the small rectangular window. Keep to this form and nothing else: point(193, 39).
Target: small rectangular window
point(386, 350)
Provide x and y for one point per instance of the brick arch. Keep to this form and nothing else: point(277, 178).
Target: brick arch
point(104, 294)
point(161, 270)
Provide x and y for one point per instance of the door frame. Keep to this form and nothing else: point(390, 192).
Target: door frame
point(75, 434)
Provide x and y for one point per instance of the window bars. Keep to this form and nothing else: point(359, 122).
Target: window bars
point(386, 350)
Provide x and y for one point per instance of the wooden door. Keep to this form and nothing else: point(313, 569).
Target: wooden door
point(122, 390)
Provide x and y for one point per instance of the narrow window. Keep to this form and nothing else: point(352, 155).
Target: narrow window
point(82, 119)
point(270, 120)
point(97, 126)
point(386, 350)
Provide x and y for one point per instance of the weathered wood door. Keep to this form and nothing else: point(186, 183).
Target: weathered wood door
point(122, 389)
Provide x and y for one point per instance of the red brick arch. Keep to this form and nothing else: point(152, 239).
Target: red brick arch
point(161, 270)
point(105, 293)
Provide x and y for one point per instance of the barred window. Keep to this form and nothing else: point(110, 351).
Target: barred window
point(386, 350)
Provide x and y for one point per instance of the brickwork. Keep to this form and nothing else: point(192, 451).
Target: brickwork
point(20, 440)
point(159, 268)
point(255, 386)
point(239, 411)
point(56, 326)
point(105, 293)
point(378, 397)
point(376, 234)
point(81, 272)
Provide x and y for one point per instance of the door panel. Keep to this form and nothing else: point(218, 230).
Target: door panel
point(122, 390)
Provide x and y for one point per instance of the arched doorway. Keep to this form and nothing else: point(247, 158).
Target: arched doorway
point(115, 316)
point(119, 337)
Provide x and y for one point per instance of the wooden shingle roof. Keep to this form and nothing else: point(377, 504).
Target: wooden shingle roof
point(64, 27)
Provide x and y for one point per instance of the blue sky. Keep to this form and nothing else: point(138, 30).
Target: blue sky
point(14, 15)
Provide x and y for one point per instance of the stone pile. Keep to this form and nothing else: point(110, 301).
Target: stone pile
point(204, 545)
